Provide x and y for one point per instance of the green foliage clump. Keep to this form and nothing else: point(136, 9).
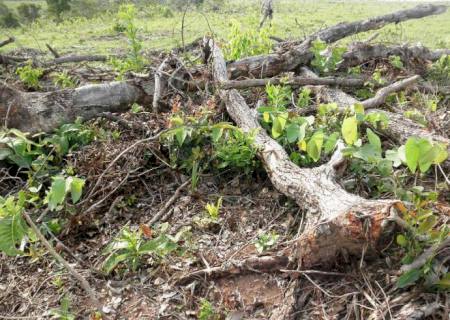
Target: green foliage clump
point(126, 23)
point(206, 311)
point(7, 17)
point(44, 156)
point(30, 76)
point(423, 231)
point(305, 138)
point(64, 80)
point(244, 43)
point(57, 7)
point(326, 59)
point(198, 145)
point(29, 12)
point(130, 247)
point(440, 71)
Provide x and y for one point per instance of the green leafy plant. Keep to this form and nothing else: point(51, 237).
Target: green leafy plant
point(129, 248)
point(326, 59)
point(134, 61)
point(244, 43)
point(304, 98)
point(206, 311)
point(422, 232)
point(60, 187)
point(64, 80)
point(196, 144)
point(266, 241)
point(214, 209)
point(30, 76)
point(13, 227)
point(421, 153)
point(396, 62)
point(440, 70)
point(63, 312)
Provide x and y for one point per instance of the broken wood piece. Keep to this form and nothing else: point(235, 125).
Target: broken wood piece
point(293, 81)
point(7, 41)
point(382, 94)
point(160, 85)
point(53, 51)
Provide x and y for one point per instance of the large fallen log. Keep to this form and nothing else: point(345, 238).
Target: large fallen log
point(337, 220)
point(360, 54)
point(45, 111)
point(270, 65)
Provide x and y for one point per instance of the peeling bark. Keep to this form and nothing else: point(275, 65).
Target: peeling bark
point(45, 111)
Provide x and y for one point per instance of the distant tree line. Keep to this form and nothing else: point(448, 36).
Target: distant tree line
point(27, 13)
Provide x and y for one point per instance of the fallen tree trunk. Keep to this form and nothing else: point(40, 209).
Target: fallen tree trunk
point(45, 111)
point(270, 65)
point(335, 222)
point(360, 54)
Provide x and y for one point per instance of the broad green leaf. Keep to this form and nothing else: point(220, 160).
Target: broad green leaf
point(374, 140)
point(113, 260)
point(428, 224)
point(216, 134)
point(394, 156)
point(181, 134)
point(266, 117)
point(409, 278)
point(331, 142)
point(427, 154)
point(292, 132)
point(279, 125)
point(314, 146)
point(12, 230)
point(412, 153)
point(350, 130)
point(76, 189)
point(385, 167)
point(57, 192)
point(442, 154)
point(402, 241)
point(358, 108)
point(5, 153)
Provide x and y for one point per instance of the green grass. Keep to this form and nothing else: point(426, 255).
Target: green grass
point(293, 20)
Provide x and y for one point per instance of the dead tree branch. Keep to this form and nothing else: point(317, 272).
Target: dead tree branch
point(7, 41)
point(273, 64)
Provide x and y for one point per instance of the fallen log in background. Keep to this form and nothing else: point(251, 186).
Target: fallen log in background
point(7, 41)
point(273, 64)
point(360, 54)
point(45, 111)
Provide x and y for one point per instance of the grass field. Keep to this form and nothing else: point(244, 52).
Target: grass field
point(293, 19)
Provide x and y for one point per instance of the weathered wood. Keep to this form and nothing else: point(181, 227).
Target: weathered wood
point(294, 82)
point(270, 65)
point(360, 54)
point(7, 41)
point(160, 85)
point(336, 218)
point(45, 111)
